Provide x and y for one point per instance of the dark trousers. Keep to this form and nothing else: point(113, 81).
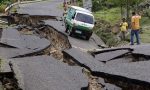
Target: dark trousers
point(136, 33)
point(123, 35)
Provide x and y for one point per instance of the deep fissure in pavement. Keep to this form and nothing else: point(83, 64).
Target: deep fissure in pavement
point(60, 42)
point(9, 81)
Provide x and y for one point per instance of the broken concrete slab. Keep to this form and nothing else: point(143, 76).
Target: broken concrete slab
point(119, 61)
point(142, 49)
point(107, 56)
point(33, 42)
point(6, 52)
point(13, 52)
point(4, 66)
point(13, 38)
point(83, 59)
point(10, 36)
point(111, 49)
point(98, 40)
point(46, 73)
point(134, 72)
point(58, 25)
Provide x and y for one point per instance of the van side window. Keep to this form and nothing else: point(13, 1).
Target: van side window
point(71, 13)
point(74, 16)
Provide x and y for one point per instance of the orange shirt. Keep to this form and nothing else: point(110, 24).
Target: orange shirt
point(135, 22)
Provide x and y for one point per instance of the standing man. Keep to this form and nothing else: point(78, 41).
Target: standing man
point(123, 28)
point(135, 26)
point(65, 5)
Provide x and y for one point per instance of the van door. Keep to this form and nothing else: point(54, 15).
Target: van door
point(70, 14)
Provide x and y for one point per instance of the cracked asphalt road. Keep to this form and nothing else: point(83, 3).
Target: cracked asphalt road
point(45, 8)
point(53, 8)
point(134, 72)
point(77, 42)
point(46, 73)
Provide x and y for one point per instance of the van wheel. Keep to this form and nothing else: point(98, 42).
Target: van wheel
point(66, 28)
point(70, 33)
point(87, 37)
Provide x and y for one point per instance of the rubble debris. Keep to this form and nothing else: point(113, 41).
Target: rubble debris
point(58, 41)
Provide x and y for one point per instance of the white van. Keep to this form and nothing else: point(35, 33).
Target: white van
point(79, 21)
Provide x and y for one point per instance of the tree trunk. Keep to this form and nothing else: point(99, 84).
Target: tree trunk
point(128, 9)
point(121, 7)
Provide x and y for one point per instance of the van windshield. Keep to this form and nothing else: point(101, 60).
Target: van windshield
point(84, 18)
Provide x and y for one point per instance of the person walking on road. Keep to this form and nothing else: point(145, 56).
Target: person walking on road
point(65, 5)
point(135, 26)
point(123, 28)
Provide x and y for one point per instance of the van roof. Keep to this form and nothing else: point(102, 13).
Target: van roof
point(81, 9)
point(78, 11)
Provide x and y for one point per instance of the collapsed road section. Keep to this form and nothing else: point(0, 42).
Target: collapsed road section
point(20, 45)
point(125, 68)
point(46, 73)
point(128, 69)
point(121, 78)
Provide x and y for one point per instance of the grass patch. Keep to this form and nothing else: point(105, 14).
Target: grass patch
point(110, 15)
point(145, 21)
point(145, 36)
point(60, 6)
point(2, 8)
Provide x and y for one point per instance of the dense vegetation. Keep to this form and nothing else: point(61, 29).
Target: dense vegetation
point(111, 11)
point(108, 14)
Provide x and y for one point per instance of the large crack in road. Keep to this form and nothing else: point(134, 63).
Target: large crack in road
point(35, 64)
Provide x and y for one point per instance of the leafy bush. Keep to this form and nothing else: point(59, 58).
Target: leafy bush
point(103, 30)
point(2, 8)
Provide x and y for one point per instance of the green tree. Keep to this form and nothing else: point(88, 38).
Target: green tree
point(127, 4)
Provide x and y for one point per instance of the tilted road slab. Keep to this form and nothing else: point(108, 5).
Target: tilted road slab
point(13, 52)
point(84, 59)
point(46, 73)
point(12, 37)
point(143, 49)
point(107, 56)
point(133, 72)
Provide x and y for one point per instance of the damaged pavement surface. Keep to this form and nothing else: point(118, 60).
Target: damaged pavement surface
point(119, 68)
point(131, 72)
point(45, 8)
point(13, 38)
point(46, 73)
point(19, 44)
